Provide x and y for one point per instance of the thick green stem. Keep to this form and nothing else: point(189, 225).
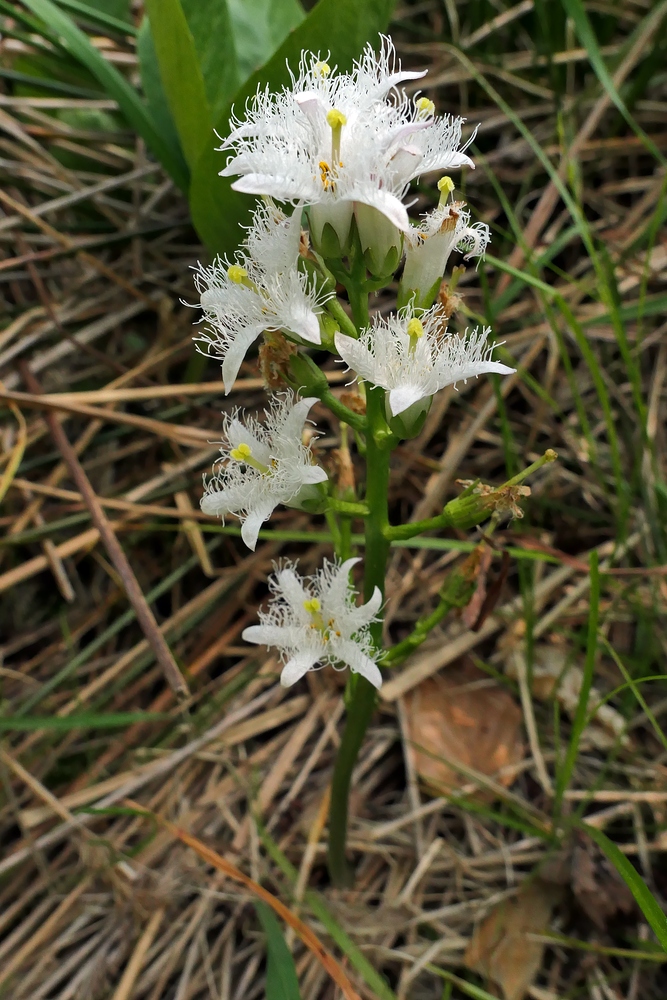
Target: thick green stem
point(361, 694)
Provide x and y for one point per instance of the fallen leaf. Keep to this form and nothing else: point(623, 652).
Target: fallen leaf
point(462, 716)
point(501, 949)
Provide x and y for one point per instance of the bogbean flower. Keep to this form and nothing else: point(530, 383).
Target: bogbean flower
point(428, 246)
point(263, 465)
point(412, 356)
point(340, 140)
point(262, 290)
point(315, 620)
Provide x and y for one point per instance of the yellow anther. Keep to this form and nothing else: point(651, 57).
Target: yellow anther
point(312, 605)
point(242, 453)
point(415, 329)
point(321, 69)
point(336, 119)
point(325, 175)
point(237, 274)
point(425, 107)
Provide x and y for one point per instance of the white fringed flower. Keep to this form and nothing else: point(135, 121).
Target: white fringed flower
point(428, 247)
point(413, 357)
point(315, 620)
point(262, 290)
point(333, 139)
point(263, 465)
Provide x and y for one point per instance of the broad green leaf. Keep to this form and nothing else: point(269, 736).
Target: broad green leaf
point(341, 27)
point(211, 27)
point(82, 720)
point(647, 902)
point(77, 43)
point(259, 27)
point(181, 76)
point(154, 92)
point(281, 978)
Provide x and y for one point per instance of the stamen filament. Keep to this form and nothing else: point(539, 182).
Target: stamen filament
point(336, 119)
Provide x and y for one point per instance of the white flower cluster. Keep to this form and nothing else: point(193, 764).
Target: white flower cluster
point(315, 620)
point(342, 148)
point(336, 139)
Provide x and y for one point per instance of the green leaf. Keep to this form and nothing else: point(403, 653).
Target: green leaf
point(635, 883)
point(181, 76)
point(259, 28)
point(341, 27)
point(82, 720)
point(281, 978)
point(77, 43)
point(211, 27)
point(156, 100)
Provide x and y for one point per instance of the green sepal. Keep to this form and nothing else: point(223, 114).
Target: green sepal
point(329, 246)
point(328, 330)
point(419, 300)
point(385, 272)
point(405, 426)
point(468, 510)
point(306, 377)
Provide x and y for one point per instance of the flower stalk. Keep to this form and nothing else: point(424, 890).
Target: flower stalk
point(342, 149)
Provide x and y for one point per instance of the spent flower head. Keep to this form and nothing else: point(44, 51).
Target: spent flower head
point(315, 620)
point(263, 465)
point(333, 139)
point(412, 357)
point(262, 290)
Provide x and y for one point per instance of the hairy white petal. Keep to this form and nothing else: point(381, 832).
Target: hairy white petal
point(297, 667)
point(266, 291)
point(277, 470)
point(280, 142)
point(403, 397)
point(315, 620)
point(358, 662)
point(414, 367)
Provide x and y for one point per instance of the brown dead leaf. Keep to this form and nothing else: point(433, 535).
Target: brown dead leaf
point(597, 886)
point(501, 949)
point(459, 716)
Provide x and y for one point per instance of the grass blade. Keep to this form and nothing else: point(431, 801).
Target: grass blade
point(576, 11)
point(281, 978)
point(564, 774)
point(635, 883)
point(82, 720)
